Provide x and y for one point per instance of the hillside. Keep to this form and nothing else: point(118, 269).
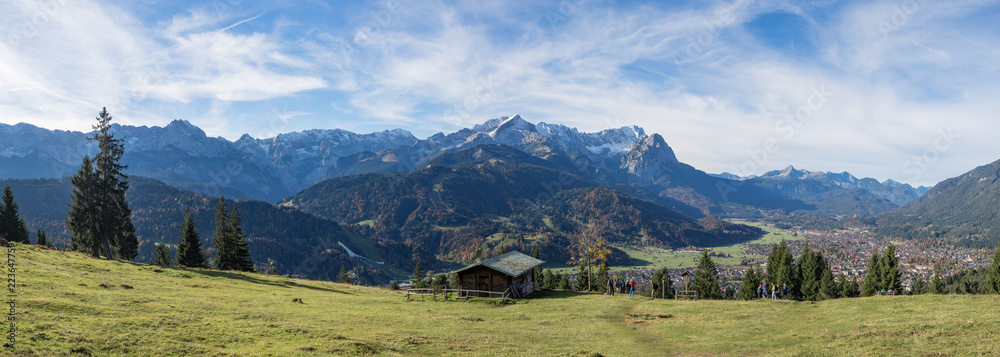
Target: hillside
point(491, 196)
point(70, 304)
point(281, 238)
point(961, 210)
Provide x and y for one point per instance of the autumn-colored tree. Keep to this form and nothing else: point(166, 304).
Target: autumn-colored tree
point(589, 248)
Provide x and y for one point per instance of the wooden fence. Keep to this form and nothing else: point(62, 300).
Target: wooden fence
point(459, 293)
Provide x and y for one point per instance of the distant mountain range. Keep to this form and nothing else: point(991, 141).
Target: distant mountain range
point(897, 193)
point(272, 169)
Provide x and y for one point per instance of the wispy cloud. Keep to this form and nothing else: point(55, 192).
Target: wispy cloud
point(718, 79)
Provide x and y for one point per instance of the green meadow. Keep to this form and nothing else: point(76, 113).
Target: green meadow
point(71, 305)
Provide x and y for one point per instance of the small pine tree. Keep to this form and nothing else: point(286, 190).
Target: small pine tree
point(828, 286)
point(549, 280)
point(163, 256)
point(601, 279)
point(993, 281)
point(748, 289)
point(706, 281)
point(873, 275)
point(189, 252)
point(42, 238)
point(394, 285)
point(12, 225)
point(563, 282)
point(418, 274)
point(918, 287)
point(440, 281)
point(343, 277)
point(582, 279)
point(453, 281)
point(936, 286)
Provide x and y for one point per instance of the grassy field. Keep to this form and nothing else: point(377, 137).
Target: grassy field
point(70, 304)
point(658, 258)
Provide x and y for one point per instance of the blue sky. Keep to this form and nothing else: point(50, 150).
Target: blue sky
point(888, 89)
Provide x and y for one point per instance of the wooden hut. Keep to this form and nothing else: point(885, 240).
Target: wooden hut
point(508, 275)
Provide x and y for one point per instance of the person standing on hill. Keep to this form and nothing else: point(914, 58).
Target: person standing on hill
point(611, 286)
point(631, 288)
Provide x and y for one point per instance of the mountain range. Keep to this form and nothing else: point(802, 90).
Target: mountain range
point(272, 169)
point(896, 192)
point(962, 211)
point(504, 184)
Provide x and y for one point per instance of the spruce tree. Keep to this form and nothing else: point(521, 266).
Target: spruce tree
point(828, 286)
point(42, 238)
point(548, 280)
point(100, 218)
point(82, 211)
point(12, 225)
point(163, 256)
point(845, 286)
point(601, 279)
point(343, 277)
point(563, 283)
point(706, 281)
point(781, 269)
point(748, 289)
point(811, 273)
point(418, 274)
point(993, 281)
point(873, 276)
point(936, 286)
point(241, 260)
point(889, 271)
point(231, 249)
point(664, 285)
point(537, 254)
point(582, 279)
point(189, 251)
point(918, 287)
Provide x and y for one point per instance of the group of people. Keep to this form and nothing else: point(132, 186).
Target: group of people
point(766, 289)
point(621, 285)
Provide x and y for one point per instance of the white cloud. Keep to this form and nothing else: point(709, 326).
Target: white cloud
point(693, 72)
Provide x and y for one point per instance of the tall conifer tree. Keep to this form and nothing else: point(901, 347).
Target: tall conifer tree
point(189, 251)
point(12, 225)
point(873, 276)
point(240, 259)
point(936, 285)
point(706, 280)
point(100, 218)
point(231, 249)
point(889, 270)
point(751, 280)
point(811, 273)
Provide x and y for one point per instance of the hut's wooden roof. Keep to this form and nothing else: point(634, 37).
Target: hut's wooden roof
point(512, 263)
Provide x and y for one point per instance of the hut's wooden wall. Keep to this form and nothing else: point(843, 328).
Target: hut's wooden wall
point(469, 279)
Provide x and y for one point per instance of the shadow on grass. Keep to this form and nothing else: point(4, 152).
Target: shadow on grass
point(248, 277)
point(554, 294)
